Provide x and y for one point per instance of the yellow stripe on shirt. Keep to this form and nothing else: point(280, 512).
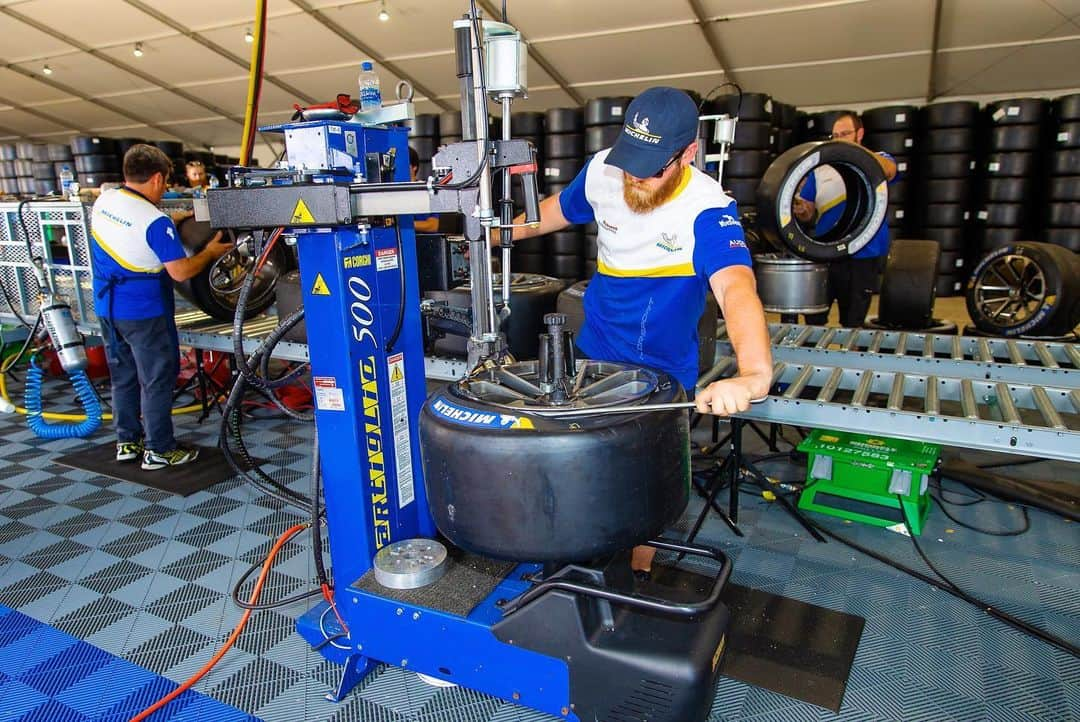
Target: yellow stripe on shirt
point(822, 210)
point(120, 261)
point(677, 270)
point(683, 182)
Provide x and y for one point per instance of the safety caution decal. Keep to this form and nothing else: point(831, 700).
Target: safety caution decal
point(328, 396)
point(399, 407)
point(480, 419)
point(301, 214)
point(386, 259)
point(319, 288)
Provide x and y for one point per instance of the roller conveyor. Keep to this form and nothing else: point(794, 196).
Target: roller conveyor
point(1009, 360)
point(1008, 395)
point(198, 330)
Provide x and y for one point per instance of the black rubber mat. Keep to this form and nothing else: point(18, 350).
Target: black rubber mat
point(467, 581)
point(209, 469)
point(796, 649)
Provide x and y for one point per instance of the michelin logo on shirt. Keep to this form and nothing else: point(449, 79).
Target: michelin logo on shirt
point(469, 417)
point(669, 243)
point(728, 221)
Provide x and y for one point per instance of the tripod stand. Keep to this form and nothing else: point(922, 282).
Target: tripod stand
point(734, 466)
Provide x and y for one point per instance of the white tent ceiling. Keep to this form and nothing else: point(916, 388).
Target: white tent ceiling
point(191, 81)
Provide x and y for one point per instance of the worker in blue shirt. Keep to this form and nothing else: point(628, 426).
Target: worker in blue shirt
point(821, 202)
point(667, 234)
point(136, 255)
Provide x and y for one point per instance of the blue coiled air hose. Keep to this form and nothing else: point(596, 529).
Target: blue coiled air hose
point(85, 391)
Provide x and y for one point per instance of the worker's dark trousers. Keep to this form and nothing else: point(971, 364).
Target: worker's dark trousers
point(144, 361)
point(851, 285)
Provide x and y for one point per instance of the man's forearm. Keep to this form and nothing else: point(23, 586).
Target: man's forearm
point(886, 165)
point(749, 334)
point(184, 268)
point(551, 220)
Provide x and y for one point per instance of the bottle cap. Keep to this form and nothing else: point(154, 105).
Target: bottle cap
point(367, 65)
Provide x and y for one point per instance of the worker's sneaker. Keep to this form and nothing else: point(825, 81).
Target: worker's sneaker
point(128, 450)
point(152, 460)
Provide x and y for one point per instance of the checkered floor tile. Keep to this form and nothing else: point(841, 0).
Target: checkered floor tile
point(143, 576)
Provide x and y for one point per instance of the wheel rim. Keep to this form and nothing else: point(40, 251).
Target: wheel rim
point(226, 277)
point(1011, 290)
point(595, 385)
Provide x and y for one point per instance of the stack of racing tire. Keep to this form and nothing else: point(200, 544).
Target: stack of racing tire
point(23, 167)
point(753, 150)
point(9, 179)
point(424, 139)
point(785, 120)
point(816, 126)
point(1012, 191)
point(564, 155)
point(1063, 212)
point(97, 161)
point(892, 129)
point(947, 172)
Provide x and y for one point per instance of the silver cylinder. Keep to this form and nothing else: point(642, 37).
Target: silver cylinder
point(65, 337)
point(791, 285)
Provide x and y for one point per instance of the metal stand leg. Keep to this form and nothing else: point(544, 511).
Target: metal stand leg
point(356, 666)
point(710, 492)
point(734, 467)
point(743, 466)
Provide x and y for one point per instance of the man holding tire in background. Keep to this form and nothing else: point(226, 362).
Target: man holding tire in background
point(668, 234)
point(821, 201)
point(136, 256)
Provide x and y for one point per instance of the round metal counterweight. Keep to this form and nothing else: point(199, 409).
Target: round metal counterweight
point(410, 563)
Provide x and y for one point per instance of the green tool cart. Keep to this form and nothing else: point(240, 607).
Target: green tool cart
point(866, 478)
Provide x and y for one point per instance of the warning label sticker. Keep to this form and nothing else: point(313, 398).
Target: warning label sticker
point(301, 214)
point(324, 382)
point(329, 399)
point(385, 259)
point(319, 288)
point(399, 407)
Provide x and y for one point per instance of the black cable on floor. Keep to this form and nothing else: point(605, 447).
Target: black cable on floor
point(239, 601)
point(946, 585)
point(990, 532)
point(1014, 462)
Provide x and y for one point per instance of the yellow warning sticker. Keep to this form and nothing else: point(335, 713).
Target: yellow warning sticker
point(319, 288)
point(395, 374)
point(301, 214)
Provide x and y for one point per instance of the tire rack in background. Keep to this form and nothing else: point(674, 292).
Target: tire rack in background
point(944, 181)
point(1063, 178)
point(1011, 195)
point(34, 168)
point(564, 156)
point(893, 129)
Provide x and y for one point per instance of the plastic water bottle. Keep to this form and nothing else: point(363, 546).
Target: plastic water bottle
point(370, 95)
point(67, 180)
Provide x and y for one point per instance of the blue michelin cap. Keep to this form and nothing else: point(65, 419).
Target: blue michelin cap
point(658, 122)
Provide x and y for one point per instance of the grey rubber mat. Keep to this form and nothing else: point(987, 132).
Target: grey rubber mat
point(796, 649)
point(208, 469)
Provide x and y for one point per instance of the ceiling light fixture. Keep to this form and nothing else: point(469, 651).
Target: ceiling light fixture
point(248, 37)
point(137, 52)
point(383, 15)
point(47, 70)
